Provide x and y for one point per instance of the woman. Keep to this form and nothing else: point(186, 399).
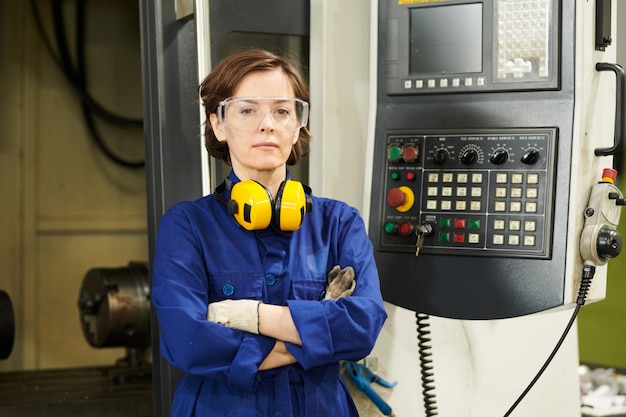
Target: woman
point(258, 309)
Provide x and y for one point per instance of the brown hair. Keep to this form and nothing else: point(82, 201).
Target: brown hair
point(221, 83)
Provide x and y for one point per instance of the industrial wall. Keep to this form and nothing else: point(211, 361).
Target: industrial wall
point(65, 206)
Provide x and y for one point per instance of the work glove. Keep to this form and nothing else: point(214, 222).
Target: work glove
point(340, 283)
point(236, 314)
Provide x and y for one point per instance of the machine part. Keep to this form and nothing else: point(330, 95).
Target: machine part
point(600, 239)
point(114, 306)
point(425, 355)
point(7, 325)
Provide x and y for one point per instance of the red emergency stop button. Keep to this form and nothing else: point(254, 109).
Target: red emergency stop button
point(395, 197)
point(401, 198)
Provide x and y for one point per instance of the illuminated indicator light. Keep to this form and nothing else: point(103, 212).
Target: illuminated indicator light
point(406, 229)
point(474, 224)
point(391, 228)
point(473, 238)
point(410, 176)
point(459, 223)
point(444, 237)
point(394, 153)
point(395, 176)
point(459, 238)
point(444, 223)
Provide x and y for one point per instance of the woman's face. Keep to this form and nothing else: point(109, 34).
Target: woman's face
point(262, 150)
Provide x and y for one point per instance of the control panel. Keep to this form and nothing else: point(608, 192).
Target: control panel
point(469, 192)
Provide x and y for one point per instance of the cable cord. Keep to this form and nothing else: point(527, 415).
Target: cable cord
point(68, 70)
point(87, 110)
point(426, 368)
point(77, 78)
point(585, 284)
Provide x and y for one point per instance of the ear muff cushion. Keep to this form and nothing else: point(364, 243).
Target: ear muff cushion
point(291, 205)
point(254, 205)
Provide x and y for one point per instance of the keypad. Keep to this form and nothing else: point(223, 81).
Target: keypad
point(489, 206)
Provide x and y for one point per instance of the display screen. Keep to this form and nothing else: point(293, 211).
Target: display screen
point(446, 39)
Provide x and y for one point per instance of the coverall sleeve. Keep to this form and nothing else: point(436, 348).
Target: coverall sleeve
point(345, 329)
point(180, 297)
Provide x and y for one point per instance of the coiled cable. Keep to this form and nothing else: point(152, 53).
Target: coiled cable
point(426, 367)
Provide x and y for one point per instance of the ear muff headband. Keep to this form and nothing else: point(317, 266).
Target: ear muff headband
point(252, 206)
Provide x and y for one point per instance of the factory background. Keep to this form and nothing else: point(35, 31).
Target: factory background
point(67, 207)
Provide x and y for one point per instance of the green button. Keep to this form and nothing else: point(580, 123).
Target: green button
point(444, 237)
point(474, 224)
point(444, 223)
point(395, 153)
point(390, 228)
point(395, 176)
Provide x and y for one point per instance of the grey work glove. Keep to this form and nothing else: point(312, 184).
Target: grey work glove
point(236, 314)
point(340, 283)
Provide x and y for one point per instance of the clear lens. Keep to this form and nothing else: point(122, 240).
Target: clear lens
point(246, 113)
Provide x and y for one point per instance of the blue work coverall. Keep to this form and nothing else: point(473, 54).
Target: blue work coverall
point(202, 255)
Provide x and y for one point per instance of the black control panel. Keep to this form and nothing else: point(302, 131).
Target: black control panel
point(469, 192)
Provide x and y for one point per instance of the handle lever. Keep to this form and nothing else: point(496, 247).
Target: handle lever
point(620, 105)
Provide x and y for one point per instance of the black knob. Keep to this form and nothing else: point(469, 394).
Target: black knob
point(609, 243)
point(499, 156)
point(469, 156)
point(441, 156)
point(530, 157)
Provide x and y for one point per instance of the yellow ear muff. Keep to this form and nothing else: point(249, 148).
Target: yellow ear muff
point(291, 204)
point(253, 205)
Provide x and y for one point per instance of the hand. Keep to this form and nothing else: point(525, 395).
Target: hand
point(236, 314)
point(340, 283)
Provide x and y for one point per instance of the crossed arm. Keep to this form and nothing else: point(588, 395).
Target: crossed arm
point(276, 321)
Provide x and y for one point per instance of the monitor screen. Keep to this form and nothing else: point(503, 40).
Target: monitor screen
point(446, 39)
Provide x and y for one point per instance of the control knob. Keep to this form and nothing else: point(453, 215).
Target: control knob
point(530, 157)
point(469, 156)
point(440, 157)
point(499, 156)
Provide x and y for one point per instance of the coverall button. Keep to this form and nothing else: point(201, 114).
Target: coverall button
point(270, 279)
point(228, 289)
